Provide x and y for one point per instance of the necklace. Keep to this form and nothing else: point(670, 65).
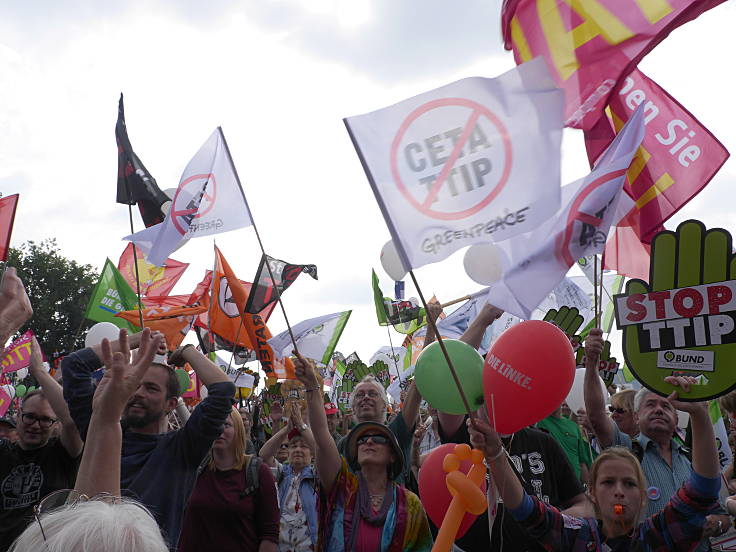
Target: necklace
point(376, 500)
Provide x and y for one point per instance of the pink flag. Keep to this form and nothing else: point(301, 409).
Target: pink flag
point(5, 401)
point(590, 45)
point(17, 355)
point(677, 158)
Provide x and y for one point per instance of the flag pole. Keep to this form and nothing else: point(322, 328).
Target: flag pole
point(258, 237)
point(595, 290)
point(135, 258)
point(393, 355)
point(441, 342)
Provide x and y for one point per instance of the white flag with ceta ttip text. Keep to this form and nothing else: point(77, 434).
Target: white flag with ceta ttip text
point(474, 161)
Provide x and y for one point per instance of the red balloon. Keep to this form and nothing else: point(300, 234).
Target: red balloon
point(433, 490)
point(527, 374)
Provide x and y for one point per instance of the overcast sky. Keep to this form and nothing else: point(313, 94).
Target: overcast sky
point(278, 76)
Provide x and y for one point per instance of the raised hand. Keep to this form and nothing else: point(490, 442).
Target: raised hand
point(36, 366)
point(304, 371)
point(683, 384)
point(484, 437)
point(123, 376)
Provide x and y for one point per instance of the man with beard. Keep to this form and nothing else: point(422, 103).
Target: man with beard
point(158, 468)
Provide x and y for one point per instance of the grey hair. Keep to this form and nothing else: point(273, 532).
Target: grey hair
point(94, 526)
point(639, 398)
point(370, 378)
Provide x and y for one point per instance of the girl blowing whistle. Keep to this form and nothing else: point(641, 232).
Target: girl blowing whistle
point(618, 493)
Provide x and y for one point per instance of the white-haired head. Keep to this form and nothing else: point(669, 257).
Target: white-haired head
point(369, 405)
point(94, 526)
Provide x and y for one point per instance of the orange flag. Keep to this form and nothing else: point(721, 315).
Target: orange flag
point(231, 295)
point(173, 322)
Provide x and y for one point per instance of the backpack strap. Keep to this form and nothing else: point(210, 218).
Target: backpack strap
point(252, 480)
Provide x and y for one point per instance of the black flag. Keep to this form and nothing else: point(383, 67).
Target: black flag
point(284, 274)
point(135, 183)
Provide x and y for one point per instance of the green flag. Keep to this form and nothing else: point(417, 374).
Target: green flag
point(111, 295)
point(404, 316)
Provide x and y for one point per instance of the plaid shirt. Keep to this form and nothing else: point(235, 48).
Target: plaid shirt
point(678, 527)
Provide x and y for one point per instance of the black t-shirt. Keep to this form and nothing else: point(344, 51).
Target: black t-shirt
point(26, 477)
point(544, 472)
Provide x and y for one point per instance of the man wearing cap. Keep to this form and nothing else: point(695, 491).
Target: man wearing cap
point(7, 428)
point(333, 418)
point(37, 464)
point(158, 467)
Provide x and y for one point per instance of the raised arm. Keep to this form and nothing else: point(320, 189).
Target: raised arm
point(206, 370)
point(69, 436)
point(271, 447)
point(327, 459)
point(705, 453)
point(483, 437)
point(595, 402)
point(473, 336)
point(99, 471)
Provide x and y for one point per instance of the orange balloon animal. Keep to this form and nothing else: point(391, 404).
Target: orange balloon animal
point(466, 492)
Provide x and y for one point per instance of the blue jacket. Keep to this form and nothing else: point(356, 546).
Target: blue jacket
point(158, 470)
point(307, 494)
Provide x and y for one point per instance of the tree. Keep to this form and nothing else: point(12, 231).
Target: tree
point(59, 290)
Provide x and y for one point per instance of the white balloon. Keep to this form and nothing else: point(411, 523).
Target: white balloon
point(100, 331)
point(22, 373)
point(10, 390)
point(483, 264)
point(575, 398)
point(682, 419)
point(391, 262)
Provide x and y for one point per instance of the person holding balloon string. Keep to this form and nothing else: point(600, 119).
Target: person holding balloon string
point(364, 510)
point(538, 458)
point(618, 492)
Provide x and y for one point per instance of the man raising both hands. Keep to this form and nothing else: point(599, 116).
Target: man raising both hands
point(158, 467)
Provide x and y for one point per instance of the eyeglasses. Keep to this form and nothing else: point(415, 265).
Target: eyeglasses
point(70, 498)
point(617, 410)
point(370, 394)
point(378, 439)
point(43, 421)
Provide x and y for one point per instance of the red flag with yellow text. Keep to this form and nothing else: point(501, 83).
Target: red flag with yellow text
point(227, 309)
point(590, 45)
point(7, 216)
point(155, 280)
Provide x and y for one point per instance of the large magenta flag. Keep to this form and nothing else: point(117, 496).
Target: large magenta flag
point(590, 45)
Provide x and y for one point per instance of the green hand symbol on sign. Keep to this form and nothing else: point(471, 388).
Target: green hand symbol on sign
point(569, 321)
point(607, 365)
point(685, 314)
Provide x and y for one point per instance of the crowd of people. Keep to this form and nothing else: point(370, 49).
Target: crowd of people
point(93, 464)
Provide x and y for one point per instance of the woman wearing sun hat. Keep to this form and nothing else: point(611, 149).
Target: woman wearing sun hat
point(365, 511)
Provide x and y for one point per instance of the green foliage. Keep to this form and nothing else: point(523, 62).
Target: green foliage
point(59, 290)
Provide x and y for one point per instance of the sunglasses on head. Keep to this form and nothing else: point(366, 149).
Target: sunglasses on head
point(617, 410)
point(377, 438)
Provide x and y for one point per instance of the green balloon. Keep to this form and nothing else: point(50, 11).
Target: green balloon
point(436, 384)
point(20, 390)
point(184, 380)
point(30, 389)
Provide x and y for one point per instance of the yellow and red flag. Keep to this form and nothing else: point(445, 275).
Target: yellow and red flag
point(155, 280)
point(590, 45)
point(227, 309)
point(7, 216)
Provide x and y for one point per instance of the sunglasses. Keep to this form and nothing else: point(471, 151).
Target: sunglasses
point(613, 409)
point(378, 439)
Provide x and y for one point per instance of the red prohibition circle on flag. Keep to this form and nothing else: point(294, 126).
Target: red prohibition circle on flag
point(423, 155)
point(194, 208)
point(576, 215)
